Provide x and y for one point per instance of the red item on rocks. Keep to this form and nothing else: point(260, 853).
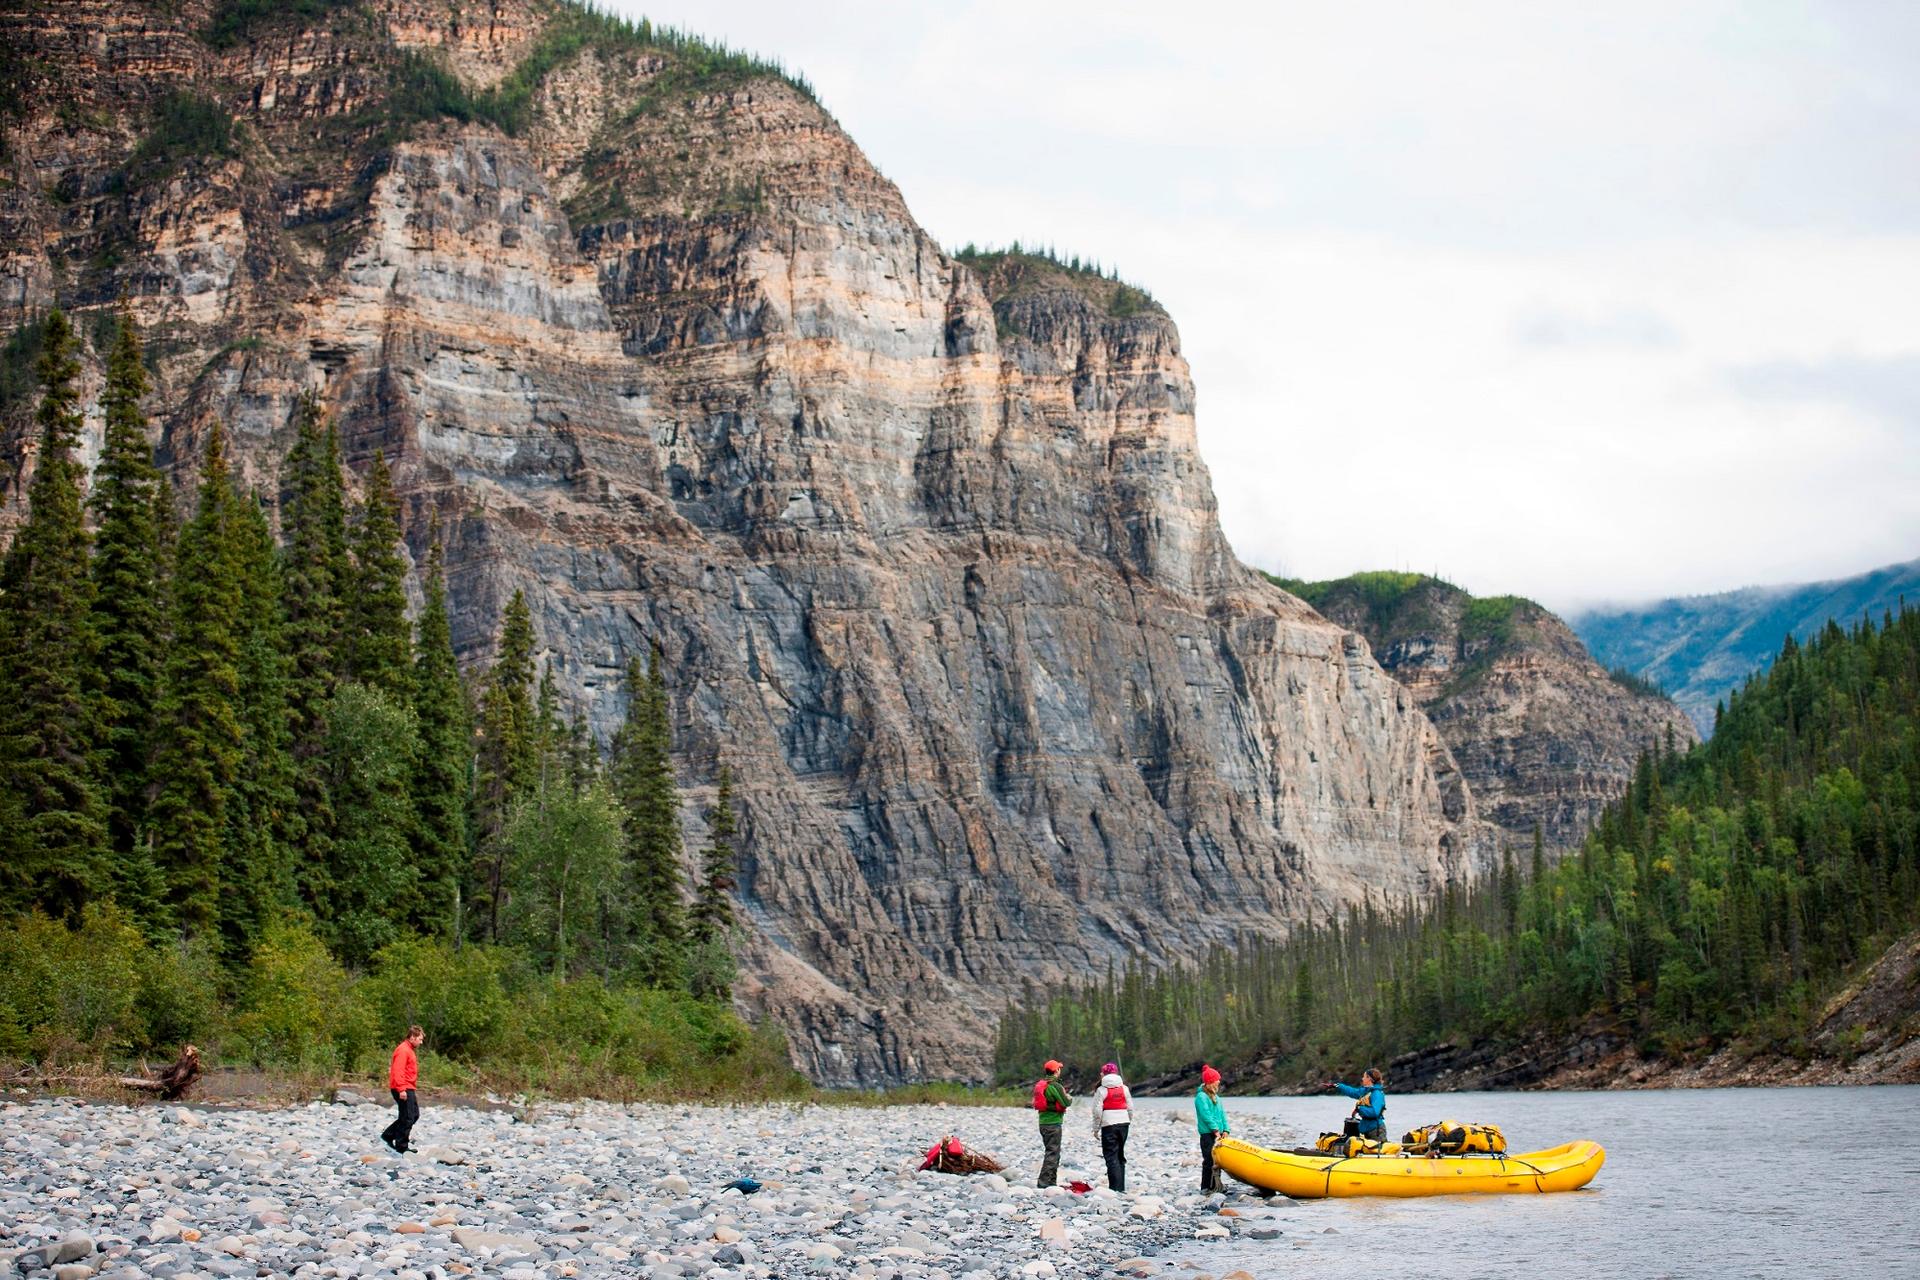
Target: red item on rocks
point(933, 1152)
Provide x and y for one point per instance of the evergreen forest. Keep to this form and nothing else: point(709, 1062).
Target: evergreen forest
point(248, 798)
point(1721, 901)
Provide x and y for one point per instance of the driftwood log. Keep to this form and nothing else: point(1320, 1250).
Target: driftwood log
point(172, 1084)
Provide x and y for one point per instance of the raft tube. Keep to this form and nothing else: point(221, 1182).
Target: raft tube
point(1314, 1177)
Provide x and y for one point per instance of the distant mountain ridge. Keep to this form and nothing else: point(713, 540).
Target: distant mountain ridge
point(1543, 734)
point(1699, 648)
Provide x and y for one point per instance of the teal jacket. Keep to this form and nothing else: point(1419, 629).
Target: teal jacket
point(1211, 1116)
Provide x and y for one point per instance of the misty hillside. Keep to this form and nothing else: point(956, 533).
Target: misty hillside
point(1700, 647)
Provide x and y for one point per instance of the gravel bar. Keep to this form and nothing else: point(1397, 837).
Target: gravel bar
point(586, 1189)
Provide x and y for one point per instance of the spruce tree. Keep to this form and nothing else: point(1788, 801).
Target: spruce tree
point(1303, 999)
point(551, 735)
point(316, 572)
point(141, 883)
point(200, 738)
point(507, 762)
point(644, 784)
point(257, 861)
point(372, 752)
point(1509, 891)
point(55, 837)
point(377, 635)
point(443, 776)
point(710, 924)
point(128, 618)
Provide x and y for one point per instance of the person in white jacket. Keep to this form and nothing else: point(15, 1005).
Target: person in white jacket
point(1112, 1116)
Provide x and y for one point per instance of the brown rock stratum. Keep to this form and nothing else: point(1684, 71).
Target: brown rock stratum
point(944, 587)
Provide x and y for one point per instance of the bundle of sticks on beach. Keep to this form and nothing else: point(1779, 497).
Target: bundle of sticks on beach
point(950, 1155)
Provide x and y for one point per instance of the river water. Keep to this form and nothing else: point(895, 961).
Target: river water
point(1698, 1182)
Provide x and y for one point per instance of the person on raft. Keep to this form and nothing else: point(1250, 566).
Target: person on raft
point(1112, 1117)
point(1211, 1118)
point(1051, 1100)
point(1370, 1103)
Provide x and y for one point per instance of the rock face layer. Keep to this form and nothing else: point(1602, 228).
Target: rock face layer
point(941, 582)
point(1541, 731)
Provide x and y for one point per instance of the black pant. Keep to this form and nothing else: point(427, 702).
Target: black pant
point(1113, 1149)
point(1050, 1160)
point(1209, 1171)
point(396, 1133)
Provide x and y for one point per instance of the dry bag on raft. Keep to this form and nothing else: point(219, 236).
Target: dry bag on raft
point(1449, 1138)
point(1345, 1145)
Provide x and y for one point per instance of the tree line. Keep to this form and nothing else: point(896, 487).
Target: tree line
point(226, 724)
point(1724, 897)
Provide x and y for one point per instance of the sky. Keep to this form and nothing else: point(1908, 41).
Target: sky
point(1586, 303)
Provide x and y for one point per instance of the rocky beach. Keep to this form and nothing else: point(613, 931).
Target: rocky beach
point(587, 1189)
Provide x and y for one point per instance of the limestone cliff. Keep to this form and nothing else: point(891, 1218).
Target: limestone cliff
point(1541, 731)
point(652, 339)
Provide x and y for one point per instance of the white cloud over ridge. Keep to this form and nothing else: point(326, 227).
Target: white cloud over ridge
point(1593, 305)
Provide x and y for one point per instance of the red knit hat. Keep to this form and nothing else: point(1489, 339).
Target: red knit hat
point(1209, 1076)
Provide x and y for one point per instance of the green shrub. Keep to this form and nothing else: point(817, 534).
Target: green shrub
point(492, 1019)
point(234, 21)
point(62, 987)
point(299, 1007)
point(1490, 619)
point(457, 995)
point(179, 995)
point(185, 126)
point(423, 89)
point(584, 1037)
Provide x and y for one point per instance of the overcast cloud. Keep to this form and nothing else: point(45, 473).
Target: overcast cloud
point(1581, 305)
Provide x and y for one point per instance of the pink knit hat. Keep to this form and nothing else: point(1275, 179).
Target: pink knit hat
point(1110, 1070)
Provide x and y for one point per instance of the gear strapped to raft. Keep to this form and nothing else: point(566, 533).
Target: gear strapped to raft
point(1347, 1145)
point(1447, 1138)
point(1450, 1138)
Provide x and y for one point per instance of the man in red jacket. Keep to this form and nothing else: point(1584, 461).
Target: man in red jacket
point(402, 1075)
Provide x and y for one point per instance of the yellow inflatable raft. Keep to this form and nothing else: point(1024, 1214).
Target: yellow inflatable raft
point(1314, 1177)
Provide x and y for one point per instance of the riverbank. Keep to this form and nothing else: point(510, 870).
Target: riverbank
point(587, 1189)
point(268, 1088)
point(1866, 1033)
point(1594, 1058)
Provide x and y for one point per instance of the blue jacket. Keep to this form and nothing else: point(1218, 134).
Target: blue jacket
point(1372, 1099)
